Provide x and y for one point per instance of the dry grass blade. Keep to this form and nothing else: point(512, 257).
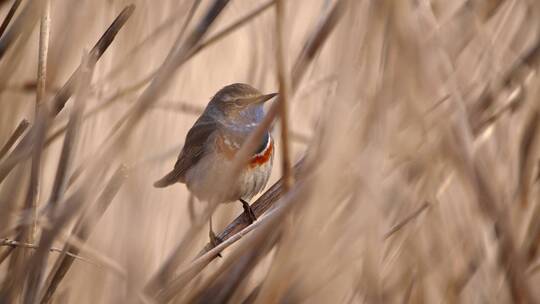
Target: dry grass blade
point(83, 229)
point(9, 16)
point(18, 132)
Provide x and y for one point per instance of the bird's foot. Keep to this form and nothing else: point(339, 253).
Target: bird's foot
point(248, 211)
point(214, 240)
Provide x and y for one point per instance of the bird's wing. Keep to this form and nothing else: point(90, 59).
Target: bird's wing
point(194, 146)
point(192, 151)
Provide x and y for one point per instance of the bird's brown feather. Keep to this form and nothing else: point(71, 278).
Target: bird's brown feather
point(192, 152)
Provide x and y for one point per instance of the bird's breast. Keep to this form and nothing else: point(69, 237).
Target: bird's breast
point(264, 155)
point(228, 146)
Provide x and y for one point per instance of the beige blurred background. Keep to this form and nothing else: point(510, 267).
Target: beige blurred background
point(379, 109)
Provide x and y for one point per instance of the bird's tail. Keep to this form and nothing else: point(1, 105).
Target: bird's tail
point(169, 179)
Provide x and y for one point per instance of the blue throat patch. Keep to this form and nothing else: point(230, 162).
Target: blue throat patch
point(263, 144)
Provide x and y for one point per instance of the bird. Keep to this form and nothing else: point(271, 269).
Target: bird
point(212, 142)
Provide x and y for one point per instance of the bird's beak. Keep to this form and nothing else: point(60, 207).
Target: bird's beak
point(262, 98)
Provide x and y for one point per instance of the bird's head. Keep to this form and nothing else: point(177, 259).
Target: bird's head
point(240, 100)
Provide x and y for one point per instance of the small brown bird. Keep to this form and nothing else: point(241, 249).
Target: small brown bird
point(211, 144)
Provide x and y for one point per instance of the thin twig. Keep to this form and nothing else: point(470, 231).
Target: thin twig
point(13, 244)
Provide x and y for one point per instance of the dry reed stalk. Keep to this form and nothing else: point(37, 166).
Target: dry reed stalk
point(283, 95)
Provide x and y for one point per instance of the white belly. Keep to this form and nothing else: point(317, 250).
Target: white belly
point(202, 178)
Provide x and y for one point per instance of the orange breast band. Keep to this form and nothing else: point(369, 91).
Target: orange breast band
point(262, 158)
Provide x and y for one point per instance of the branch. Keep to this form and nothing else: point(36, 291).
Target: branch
point(13, 244)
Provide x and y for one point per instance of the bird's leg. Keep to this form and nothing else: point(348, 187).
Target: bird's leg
point(214, 239)
point(248, 211)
